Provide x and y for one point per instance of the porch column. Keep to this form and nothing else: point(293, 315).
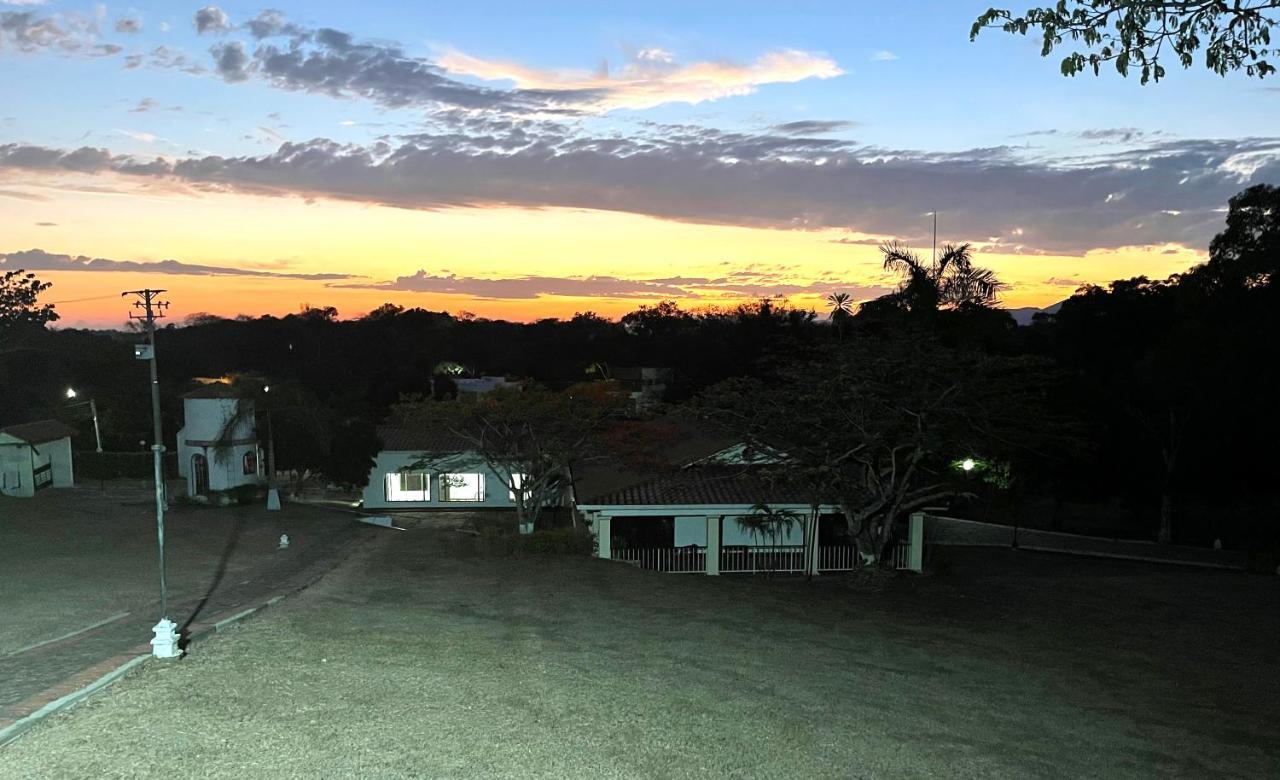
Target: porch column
point(604, 543)
point(713, 545)
point(811, 551)
point(915, 536)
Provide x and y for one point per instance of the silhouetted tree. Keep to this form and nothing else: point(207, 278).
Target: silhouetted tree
point(951, 281)
point(1234, 34)
point(19, 300)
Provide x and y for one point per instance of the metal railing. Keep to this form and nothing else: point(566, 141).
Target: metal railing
point(676, 560)
point(762, 558)
point(840, 558)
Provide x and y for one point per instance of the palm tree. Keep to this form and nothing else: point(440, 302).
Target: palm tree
point(841, 305)
point(951, 281)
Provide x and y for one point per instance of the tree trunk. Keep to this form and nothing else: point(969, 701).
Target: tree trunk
point(1166, 518)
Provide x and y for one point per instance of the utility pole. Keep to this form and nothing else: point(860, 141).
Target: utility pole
point(165, 642)
point(934, 255)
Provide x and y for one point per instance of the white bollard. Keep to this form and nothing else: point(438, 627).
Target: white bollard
point(165, 642)
point(284, 542)
point(273, 500)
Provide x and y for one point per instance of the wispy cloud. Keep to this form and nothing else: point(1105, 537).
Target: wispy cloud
point(743, 283)
point(40, 260)
point(652, 78)
point(1008, 202)
point(883, 55)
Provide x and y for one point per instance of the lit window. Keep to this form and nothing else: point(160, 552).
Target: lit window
point(461, 487)
point(406, 486)
point(250, 463)
point(517, 481)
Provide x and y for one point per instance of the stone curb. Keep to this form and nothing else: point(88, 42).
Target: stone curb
point(22, 725)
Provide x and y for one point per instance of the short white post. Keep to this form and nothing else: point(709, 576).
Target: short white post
point(713, 546)
point(604, 543)
point(165, 642)
point(273, 500)
point(915, 535)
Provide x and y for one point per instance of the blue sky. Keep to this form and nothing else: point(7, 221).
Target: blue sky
point(681, 112)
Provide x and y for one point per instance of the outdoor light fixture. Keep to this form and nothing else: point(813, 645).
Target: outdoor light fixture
point(967, 464)
point(71, 392)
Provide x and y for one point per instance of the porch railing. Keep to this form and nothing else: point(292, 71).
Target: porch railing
point(762, 558)
point(677, 560)
point(748, 559)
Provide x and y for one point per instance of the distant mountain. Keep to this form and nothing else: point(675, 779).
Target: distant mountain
point(1026, 314)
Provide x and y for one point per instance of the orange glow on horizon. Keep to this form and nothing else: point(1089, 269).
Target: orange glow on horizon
point(290, 235)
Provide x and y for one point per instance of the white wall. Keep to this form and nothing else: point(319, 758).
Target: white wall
point(15, 471)
point(733, 534)
point(496, 490)
point(59, 453)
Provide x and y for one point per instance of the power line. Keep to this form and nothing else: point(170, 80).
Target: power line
point(80, 300)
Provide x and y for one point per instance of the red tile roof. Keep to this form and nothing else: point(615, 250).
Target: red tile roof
point(399, 438)
point(704, 485)
point(40, 431)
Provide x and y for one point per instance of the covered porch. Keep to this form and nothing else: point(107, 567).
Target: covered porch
point(709, 539)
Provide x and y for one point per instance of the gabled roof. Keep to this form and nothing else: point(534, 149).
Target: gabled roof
point(214, 390)
point(401, 438)
point(704, 485)
point(39, 432)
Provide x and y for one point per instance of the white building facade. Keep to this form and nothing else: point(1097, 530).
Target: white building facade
point(218, 449)
point(452, 477)
point(34, 456)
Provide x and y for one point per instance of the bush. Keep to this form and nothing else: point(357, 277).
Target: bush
point(561, 541)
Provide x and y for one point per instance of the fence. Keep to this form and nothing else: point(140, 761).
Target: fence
point(841, 558)
point(676, 560)
point(780, 558)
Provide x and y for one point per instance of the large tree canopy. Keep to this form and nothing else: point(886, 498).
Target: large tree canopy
point(19, 300)
point(1143, 35)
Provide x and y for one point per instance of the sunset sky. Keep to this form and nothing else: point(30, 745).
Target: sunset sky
point(526, 160)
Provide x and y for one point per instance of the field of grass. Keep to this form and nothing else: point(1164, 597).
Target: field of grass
point(424, 657)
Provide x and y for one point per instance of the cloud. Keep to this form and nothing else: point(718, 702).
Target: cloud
point(230, 61)
point(744, 283)
point(812, 127)
point(883, 55)
point(211, 19)
point(1008, 202)
point(40, 260)
point(61, 33)
point(652, 78)
point(128, 25)
point(144, 105)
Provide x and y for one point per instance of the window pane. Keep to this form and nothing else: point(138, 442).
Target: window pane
point(402, 486)
point(462, 487)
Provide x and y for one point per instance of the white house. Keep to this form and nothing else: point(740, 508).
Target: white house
point(455, 478)
point(35, 455)
point(218, 447)
point(707, 517)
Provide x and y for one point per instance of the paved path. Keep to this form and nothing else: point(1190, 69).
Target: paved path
point(38, 674)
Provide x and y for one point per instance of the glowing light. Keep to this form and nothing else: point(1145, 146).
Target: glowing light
point(71, 393)
point(967, 464)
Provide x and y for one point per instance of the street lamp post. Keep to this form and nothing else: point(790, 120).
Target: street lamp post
point(93, 410)
point(273, 495)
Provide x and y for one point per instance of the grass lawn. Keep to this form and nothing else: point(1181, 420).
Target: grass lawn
point(423, 657)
